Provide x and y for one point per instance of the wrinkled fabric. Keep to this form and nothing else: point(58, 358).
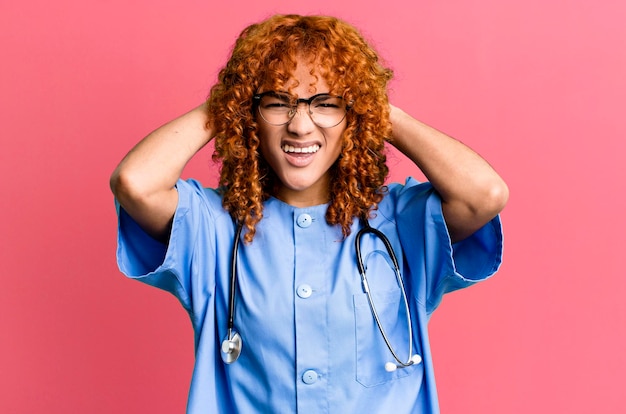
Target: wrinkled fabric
point(310, 342)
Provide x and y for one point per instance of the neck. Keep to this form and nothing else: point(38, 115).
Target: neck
point(315, 195)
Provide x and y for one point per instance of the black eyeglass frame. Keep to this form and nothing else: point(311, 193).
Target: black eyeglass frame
point(294, 107)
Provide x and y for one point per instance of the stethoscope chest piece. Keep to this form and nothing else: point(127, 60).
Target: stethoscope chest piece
point(231, 348)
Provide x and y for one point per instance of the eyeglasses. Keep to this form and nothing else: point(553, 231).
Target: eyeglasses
point(277, 108)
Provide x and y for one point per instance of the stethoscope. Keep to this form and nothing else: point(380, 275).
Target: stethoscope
point(232, 343)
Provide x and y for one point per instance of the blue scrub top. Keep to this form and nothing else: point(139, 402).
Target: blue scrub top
point(310, 342)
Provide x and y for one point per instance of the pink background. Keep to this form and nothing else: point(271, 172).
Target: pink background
point(538, 87)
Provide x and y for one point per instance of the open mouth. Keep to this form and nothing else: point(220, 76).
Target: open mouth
point(289, 149)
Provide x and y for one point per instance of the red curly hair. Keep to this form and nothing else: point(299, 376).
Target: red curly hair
point(265, 56)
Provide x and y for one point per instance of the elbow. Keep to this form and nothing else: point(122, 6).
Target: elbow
point(487, 201)
point(466, 217)
point(115, 182)
point(495, 198)
point(118, 182)
point(463, 218)
point(125, 187)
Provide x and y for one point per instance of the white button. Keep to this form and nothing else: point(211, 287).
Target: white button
point(304, 291)
point(304, 220)
point(309, 377)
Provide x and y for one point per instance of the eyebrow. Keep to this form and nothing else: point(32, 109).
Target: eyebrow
point(284, 94)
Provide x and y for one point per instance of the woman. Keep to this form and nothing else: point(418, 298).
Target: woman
point(299, 117)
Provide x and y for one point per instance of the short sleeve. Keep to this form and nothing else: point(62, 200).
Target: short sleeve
point(168, 267)
point(441, 266)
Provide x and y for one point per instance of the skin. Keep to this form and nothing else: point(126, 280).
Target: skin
point(472, 192)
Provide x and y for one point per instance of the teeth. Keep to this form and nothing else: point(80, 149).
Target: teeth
point(306, 150)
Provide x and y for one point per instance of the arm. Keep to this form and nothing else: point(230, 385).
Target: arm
point(143, 182)
point(472, 193)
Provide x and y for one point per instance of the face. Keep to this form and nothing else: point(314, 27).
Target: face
point(300, 152)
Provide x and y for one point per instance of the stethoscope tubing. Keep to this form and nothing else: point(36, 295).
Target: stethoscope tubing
point(366, 228)
point(233, 282)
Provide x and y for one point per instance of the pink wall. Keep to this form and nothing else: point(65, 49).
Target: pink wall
point(538, 87)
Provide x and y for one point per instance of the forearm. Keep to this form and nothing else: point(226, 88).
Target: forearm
point(472, 192)
point(143, 182)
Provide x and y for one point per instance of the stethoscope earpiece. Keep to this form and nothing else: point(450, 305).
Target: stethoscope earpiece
point(390, 367)
point(415, 360)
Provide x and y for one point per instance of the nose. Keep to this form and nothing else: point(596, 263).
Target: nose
point(301, 123)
